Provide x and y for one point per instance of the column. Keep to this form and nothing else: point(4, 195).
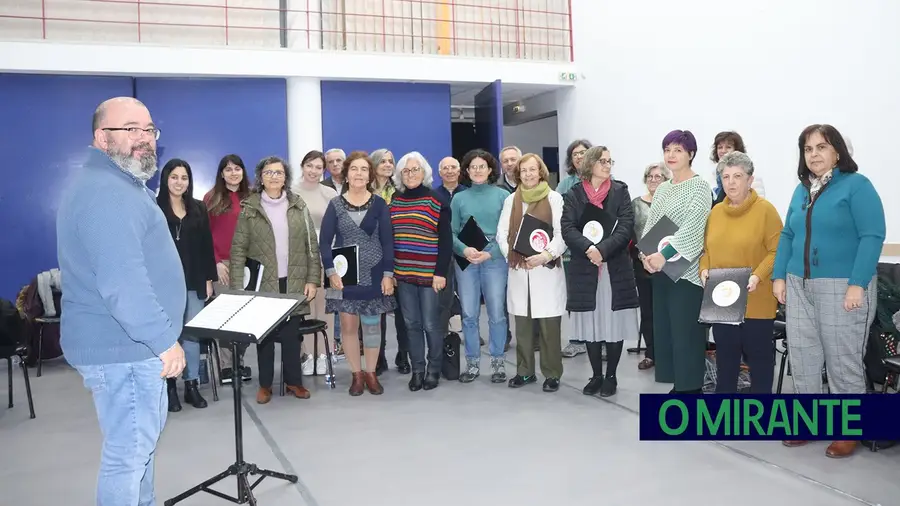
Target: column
point(304, 118)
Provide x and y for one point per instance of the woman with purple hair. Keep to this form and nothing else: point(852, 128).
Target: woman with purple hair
point(686, 199)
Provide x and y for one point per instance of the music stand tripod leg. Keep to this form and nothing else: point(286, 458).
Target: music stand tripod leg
point(240, 469)
point(639, 347)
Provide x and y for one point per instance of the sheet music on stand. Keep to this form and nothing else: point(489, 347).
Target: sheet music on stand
point(246, 314)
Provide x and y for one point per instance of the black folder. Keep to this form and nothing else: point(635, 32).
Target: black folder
point(656, 239)
point(596, 224)
point(472, 236)
point(253, 272)
point(534, 236)
point(725, 296)
point(346, 264)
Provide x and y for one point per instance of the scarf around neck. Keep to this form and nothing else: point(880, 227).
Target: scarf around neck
point(597, 196)
point(538, 206)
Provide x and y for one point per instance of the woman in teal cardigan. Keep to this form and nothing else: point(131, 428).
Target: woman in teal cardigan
point(825, 269)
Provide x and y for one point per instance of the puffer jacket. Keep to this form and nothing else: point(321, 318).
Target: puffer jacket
point(254, 238)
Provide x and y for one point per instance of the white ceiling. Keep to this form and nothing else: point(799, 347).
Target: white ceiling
point(463, 94)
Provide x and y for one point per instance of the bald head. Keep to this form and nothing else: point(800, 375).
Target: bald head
point(124, 130)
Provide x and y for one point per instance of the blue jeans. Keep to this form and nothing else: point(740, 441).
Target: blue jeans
point(191, 347)
point(421, 310)
point(486, 279)
point(131, 407)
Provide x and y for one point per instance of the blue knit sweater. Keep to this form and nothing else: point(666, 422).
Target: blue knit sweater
point(123, 288)
point(846, 232)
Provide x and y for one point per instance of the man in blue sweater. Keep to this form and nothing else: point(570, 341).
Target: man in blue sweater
point(123, 296)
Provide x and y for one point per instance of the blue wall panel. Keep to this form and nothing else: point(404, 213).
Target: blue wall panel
point(45, 129)
point(401, 117)
point(202, 120)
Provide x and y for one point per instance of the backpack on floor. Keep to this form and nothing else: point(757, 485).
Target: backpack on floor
point(451, 362)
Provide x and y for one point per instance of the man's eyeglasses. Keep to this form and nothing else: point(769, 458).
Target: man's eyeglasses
point(135, 132)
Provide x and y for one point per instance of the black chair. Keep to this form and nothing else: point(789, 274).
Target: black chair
point(892, 367)
point(314, 327)
point(13, 343)
point(779, 335)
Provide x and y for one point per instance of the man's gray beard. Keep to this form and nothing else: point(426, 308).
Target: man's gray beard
point(142, 168)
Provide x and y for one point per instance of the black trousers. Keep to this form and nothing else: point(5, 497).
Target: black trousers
point(753, 340)
point(645, 294)
point(289, 337)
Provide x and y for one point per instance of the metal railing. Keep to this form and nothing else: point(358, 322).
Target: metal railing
point(515, 29)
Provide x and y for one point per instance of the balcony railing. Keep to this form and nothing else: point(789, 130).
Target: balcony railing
point(515, 29)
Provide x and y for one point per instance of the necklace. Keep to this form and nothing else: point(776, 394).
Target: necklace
point(178, 230)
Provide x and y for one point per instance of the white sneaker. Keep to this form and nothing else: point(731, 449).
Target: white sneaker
point(307, 365)
point(322, 365)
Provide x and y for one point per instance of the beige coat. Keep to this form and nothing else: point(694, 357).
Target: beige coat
point(545, 287)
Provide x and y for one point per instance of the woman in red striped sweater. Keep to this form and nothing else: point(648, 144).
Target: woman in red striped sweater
point(422, 251)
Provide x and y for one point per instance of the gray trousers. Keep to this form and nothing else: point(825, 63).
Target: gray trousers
point(820, 332)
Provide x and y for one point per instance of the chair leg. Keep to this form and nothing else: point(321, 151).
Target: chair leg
point(281, 376)
point(329, 367)
point(9, 368)
point(784, 359)
point(212, 366)
point(27, 387)
point(40, 356)
point(315, 354)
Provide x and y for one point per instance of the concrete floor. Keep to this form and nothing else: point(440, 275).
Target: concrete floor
point(478, 444)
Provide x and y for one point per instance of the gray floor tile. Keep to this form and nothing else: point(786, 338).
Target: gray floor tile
point(480, 444)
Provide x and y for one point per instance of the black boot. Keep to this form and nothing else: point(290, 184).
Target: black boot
point(402, 362)
point(613, 353)
point(192, 395)
point(595, 355)
point(172, 391)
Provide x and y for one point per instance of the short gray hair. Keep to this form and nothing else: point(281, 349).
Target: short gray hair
point(735, 159)
point(591, 157)
point(336, 150)
point(666, 173)
point(401, 164)
point(265, 162)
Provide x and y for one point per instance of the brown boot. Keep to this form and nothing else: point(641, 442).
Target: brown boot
point(372, 384)
point(264, 395)
point(793, 444)
point(357, 386)
point(298, 391)
point(841, 449)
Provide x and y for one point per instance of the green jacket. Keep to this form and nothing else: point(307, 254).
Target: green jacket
point(254, 238)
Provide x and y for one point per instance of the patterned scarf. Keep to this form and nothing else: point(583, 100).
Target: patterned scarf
point(817, 183)
point(538, 206)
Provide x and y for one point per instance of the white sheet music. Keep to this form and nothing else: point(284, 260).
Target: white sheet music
point(259, 315)
point(219, 311)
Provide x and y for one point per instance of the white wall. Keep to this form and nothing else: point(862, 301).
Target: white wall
point(532, 137)
point(766, 68)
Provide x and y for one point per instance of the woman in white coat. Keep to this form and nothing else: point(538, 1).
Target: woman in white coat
point(536, 287)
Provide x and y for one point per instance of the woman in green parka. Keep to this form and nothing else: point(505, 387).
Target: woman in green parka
point(276, 230)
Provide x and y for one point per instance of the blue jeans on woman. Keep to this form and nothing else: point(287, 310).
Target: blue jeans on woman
point(191, 346)
point(486, 279)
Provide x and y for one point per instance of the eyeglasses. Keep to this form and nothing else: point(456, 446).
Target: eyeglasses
point(578, 154)
point(655, 177)
point(411, 171)
point(274, 174)
point(608, 163)
point(135, 132)
point(478, 167)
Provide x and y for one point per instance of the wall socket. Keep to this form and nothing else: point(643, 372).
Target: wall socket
point(568, 76)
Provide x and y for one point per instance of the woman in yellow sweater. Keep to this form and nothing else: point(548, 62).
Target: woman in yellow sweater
point(743, 231)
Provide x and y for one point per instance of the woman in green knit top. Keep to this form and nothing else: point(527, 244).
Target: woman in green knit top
point(486, 272)
point(680, 347)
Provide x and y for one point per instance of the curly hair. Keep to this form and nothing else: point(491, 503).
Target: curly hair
point(493, 176)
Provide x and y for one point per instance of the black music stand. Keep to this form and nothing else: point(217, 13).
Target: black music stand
point(240, 469)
